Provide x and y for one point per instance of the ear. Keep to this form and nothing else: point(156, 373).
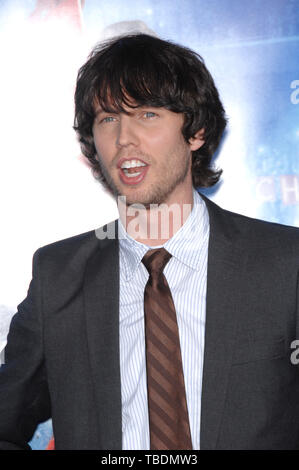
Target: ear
point(197, 141)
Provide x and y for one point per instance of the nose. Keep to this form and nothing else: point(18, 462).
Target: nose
point(127, 133)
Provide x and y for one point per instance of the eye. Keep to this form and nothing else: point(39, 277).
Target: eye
point(108, 119)
point(149, 114)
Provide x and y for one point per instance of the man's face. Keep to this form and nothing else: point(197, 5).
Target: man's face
point(143, 155)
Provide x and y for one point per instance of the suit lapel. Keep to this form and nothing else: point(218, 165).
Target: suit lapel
point(101, 297)
point(226, 261)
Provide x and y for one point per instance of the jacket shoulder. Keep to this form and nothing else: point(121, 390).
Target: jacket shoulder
point(258, 232)
point(69, 242)
point(258, 227)
point(71, 250)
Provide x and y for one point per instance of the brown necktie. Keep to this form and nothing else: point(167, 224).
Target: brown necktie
point(168, 412)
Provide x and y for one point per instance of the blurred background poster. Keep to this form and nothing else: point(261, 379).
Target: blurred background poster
point(47, 190)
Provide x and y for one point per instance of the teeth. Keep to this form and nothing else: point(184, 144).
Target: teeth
point(132, 164)
point(131, 175)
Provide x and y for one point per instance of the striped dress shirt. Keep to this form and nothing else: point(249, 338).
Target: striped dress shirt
point(186, 274)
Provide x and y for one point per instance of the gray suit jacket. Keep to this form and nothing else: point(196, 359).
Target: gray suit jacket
point(62, 356)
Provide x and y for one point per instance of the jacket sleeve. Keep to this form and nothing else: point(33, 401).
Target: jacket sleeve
point(24, 396)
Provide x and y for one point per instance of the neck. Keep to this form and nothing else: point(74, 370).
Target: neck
point(156, 225)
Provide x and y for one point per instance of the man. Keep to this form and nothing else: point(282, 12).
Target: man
point(152, 338)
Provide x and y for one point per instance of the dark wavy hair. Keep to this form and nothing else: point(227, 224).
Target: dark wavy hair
point(155, 73)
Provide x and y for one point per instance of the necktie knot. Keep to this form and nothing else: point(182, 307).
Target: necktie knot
point(155, 260)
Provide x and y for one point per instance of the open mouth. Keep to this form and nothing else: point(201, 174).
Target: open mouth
point(132, 170)
point(133, 175)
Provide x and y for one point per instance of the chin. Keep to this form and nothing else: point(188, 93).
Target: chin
point(135, 196)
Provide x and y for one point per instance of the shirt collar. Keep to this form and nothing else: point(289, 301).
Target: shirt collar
point(186, 245)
